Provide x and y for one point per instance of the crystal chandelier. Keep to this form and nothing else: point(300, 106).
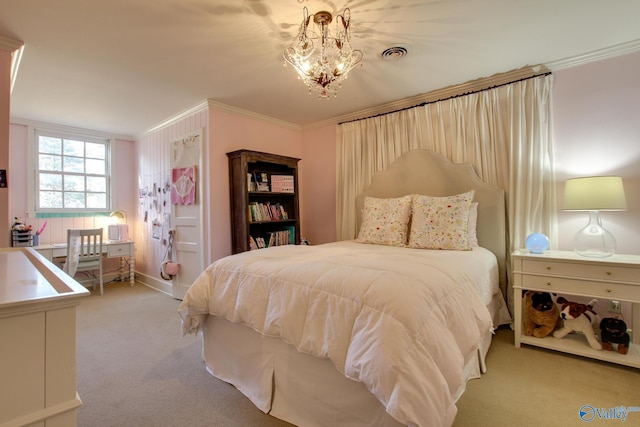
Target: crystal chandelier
point(323, 61)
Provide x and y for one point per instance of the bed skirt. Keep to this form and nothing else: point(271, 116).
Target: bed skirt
point(300, 388)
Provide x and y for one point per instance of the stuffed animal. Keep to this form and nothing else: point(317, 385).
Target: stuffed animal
point(19, 224)
point(614, 331)
point(580, 318)
point(542, 314)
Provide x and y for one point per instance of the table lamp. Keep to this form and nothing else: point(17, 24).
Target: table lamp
point(594, 194)
point(118, 231)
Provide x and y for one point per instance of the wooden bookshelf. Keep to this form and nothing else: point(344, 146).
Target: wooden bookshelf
point(258, 213)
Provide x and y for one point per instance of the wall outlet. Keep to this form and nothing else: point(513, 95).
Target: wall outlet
point(615, 307)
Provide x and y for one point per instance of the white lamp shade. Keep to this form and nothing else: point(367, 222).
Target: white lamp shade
point(597, 193)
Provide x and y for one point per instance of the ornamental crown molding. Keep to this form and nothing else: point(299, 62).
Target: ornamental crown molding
point(596, 55)
point(10, 45)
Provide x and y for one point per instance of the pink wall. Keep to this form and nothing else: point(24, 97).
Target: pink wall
point(18, 143)
point(223, 132)
point(5, 94)
point(230, 132)
point(318, 193)
point(597, 132)
point(226, 132)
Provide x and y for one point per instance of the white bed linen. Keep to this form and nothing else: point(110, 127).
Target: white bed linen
point(404, 322)
point(299, 388)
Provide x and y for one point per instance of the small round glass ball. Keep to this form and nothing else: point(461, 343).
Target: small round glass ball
point(537, 243)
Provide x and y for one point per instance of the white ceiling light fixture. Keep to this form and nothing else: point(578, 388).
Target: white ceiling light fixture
point(323, 61)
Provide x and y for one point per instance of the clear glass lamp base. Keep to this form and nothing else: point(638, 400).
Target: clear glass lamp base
point(593, 240)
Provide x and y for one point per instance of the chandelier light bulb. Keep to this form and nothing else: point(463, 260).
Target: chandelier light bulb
point(323, 61)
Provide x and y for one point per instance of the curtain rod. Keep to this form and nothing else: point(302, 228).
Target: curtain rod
point(422, 104)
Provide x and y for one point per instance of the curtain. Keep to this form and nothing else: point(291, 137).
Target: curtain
point(504, 132)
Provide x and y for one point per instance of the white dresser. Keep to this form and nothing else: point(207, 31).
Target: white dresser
point(567, 273)
point(37, 341)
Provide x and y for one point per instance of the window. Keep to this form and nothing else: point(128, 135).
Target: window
point(72, 173)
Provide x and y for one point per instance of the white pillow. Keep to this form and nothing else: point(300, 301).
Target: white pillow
point(473, 222)
point(385, 221)
point(440, 222)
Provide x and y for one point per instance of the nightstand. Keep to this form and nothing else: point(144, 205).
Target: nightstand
point(567, 273)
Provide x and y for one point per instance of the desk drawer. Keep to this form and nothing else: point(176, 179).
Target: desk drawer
point(59, 252)
point(118, 250)
point(579, 270)
point(624, 292)
point(47, 253)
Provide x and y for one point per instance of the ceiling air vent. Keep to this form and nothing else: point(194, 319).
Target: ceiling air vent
point(394, 53)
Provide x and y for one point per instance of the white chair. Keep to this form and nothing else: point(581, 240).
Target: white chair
point(84, 253)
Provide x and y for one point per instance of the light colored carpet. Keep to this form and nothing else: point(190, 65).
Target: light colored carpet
point(135, 369)
point(530, 386)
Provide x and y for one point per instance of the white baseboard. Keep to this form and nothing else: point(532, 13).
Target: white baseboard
point(163, 286)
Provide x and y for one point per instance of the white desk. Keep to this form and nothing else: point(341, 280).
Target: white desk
point(109, 248)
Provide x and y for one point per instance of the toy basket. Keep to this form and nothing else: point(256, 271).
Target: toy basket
point(21, 238)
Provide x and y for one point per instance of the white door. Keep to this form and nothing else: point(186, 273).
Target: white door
point(186, 219)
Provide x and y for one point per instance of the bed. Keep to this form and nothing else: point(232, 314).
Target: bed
point(367, 331)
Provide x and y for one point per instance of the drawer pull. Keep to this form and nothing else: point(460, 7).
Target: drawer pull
point(609, 290)
point(548, 268)
point(548, 283)
point(608, 273)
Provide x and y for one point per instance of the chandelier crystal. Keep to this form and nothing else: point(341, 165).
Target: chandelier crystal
point(323, 61)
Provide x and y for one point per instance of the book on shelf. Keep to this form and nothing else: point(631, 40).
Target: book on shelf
point(252, 243)
point(251, 184)
point(292, 234)
point(260, 242)
point(278, 238)
point(261, 181)
point(259, 212)
point(274, 238)
point(282, 183)
point(256, 212)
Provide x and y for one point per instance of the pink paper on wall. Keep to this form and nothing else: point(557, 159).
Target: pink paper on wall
point(183, 186)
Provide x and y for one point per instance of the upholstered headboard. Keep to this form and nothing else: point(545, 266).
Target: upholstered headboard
point(428, 173)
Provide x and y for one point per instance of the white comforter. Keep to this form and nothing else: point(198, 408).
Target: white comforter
point(402, 321)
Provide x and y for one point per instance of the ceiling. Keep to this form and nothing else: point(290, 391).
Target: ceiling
point(124, 66)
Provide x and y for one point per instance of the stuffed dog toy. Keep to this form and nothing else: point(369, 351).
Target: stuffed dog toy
point(614, 331)
point(580, 318)
point(542, 314)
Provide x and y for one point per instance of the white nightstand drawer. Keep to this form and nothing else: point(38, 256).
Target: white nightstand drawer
point(118, 250)
point(582, 287)
point(587, 271)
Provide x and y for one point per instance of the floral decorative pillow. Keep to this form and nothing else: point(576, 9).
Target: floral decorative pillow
point(440, 222)
point(385, 221)
point(473, 222)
